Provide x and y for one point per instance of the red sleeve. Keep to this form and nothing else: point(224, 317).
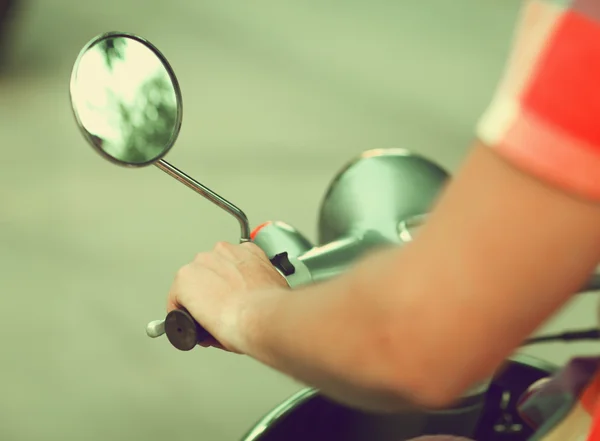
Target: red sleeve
point(545, 115)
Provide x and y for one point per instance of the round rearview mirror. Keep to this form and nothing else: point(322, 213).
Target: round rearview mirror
point(126, 99)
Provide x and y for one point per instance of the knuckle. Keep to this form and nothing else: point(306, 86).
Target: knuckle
point(201, 258)
point(255, 249)
point(181, 272)
point(223, 246)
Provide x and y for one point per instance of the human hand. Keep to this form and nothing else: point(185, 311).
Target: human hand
point(215, 287)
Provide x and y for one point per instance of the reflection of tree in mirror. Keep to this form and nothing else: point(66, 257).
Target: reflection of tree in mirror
point(149, 123)
point(113, 48)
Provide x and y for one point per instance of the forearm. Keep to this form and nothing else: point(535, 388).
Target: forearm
point(345, 339)
point(429, 320)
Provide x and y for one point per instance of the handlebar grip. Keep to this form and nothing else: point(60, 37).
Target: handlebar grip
point(183, 331)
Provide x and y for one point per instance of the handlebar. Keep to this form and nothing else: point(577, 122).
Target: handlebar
point(183, 331)
point(301, 263)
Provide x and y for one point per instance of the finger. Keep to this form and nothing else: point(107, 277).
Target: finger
point(215, 261)
point(254, 249)
point(238, 252)
point(208, 342)
point(221, 347)
point(172, 297)
point(212, 342)
point(172, 303)
point(225, 249)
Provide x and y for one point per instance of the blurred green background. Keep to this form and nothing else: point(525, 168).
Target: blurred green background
point(278, 95)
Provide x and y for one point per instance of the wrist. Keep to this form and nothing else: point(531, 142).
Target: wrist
point(249, 323)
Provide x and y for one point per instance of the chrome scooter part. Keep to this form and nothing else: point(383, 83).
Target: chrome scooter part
point(127, 103)
point(155, 329)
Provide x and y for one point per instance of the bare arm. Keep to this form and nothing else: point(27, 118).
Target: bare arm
point(501, 252)
point(499, 255)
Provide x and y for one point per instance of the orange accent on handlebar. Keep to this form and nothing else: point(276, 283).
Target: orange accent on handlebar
point(257, 229)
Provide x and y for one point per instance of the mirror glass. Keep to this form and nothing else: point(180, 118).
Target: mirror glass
point(126, 99)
